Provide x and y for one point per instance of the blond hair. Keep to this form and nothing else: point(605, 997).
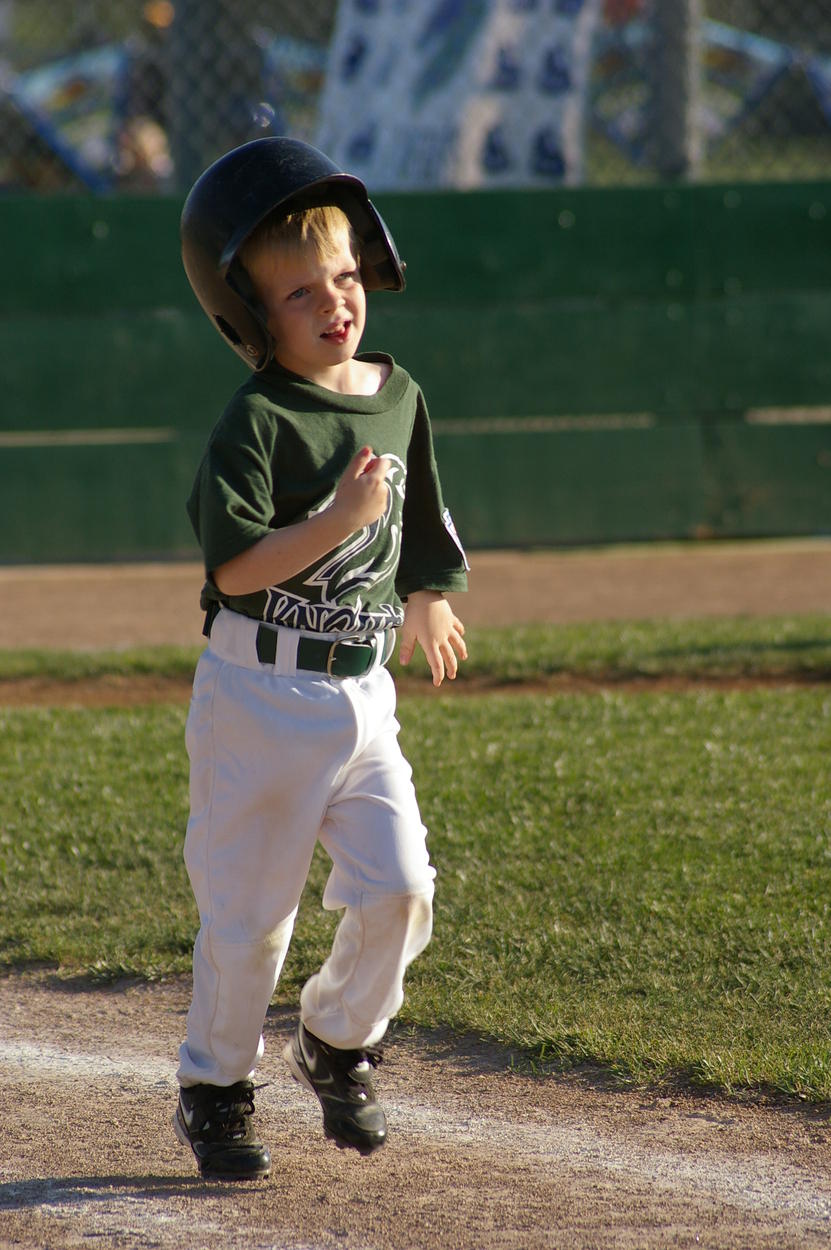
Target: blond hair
point(318, 226)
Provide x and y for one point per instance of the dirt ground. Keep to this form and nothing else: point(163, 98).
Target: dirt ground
point(481, 1155)
point(110, 606)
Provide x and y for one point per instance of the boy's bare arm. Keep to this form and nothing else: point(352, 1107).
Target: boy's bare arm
point(430, 621)
point(360, 499)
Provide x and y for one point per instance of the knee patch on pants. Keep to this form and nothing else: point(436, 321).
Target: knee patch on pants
point(361, 985)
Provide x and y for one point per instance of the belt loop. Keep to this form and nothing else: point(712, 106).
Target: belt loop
point(277, 648)
point(211, 613)
point(285, 661)
point(386, 645)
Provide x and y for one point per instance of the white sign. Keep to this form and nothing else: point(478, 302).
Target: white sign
point(422, 94)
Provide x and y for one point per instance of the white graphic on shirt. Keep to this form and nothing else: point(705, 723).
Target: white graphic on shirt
point(339, 584)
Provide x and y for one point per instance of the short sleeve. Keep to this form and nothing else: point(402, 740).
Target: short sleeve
point(231, 505)
point(432, 556)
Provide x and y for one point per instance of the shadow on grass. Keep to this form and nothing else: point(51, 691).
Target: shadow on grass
point(785, 647)
point(471, 1055)
point(461, 1054)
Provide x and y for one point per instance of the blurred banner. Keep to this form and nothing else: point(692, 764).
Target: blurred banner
point(75, 108)
point(444, 94)
point(140, 95)
point(739, 71)
point(818, 69)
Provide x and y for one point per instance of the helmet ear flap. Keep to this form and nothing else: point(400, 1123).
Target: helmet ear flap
point(256, 349)
point(249, 335)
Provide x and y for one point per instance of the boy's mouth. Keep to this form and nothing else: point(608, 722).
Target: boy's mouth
point(337, 334)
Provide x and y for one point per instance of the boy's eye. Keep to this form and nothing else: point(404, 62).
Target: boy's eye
point(301, 290)
point(349, 276)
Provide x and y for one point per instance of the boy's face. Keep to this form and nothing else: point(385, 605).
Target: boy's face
point(315, 306)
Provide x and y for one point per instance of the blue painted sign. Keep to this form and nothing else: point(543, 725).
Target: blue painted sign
point(459, 93)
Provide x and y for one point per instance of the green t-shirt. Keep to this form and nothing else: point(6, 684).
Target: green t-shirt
point(276, 456)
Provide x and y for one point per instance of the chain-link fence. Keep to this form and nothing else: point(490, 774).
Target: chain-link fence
point(139, 95)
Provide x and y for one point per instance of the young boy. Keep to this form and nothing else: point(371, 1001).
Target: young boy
point(319, 513)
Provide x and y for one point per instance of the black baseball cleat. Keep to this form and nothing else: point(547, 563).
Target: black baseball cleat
point(341, 1080)
point(215, 1121)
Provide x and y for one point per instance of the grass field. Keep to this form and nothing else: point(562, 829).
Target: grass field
point(787, 646)
point(636, 880)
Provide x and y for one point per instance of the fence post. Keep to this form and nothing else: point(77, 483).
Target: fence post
point(675, 139)
point(214, 77)
point(5, 23)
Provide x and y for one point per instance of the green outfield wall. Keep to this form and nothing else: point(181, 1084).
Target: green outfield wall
point(601, 366)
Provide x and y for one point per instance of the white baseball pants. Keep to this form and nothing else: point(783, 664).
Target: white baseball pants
point(280, 760)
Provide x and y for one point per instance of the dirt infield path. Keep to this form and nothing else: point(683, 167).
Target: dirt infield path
point(480, 1156)
point(67, 606)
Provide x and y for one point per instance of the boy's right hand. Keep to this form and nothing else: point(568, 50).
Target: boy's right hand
point(362, 495)
point(360, 499)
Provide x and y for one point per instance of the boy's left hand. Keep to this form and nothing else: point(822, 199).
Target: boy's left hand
point(430, 621)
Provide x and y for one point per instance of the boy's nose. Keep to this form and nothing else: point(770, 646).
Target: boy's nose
point(330, 296)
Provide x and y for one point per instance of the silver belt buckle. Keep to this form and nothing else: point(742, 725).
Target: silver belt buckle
point(349, 642)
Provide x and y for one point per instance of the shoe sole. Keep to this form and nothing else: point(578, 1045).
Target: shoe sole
point(181, 1133)
point(299, 1074)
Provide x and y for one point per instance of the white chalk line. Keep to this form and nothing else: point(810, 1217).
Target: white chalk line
point(138, 1214)
point(762, 1184)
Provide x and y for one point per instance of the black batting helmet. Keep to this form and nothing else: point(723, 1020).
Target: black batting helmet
point(230, 199)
